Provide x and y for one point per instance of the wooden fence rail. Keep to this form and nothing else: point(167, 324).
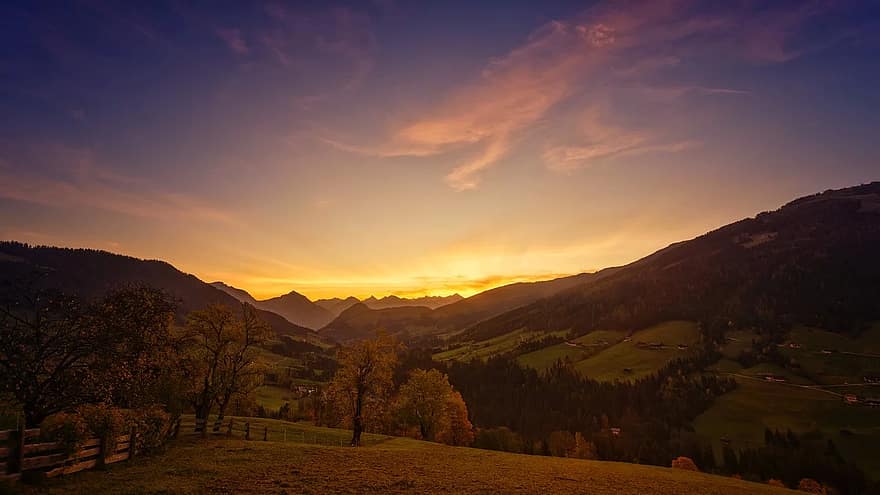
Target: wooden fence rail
point(22, 451)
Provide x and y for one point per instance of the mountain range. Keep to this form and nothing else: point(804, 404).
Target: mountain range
point(361, 321)
point(298, 309)
point(91, 273)
point(813, 262)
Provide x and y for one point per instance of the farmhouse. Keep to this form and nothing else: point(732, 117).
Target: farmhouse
point(872, 379)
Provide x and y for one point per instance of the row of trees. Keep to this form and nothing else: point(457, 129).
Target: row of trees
point(124, 351)
point(364, 394)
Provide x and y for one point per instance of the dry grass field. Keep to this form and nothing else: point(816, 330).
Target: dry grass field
point(226, 466)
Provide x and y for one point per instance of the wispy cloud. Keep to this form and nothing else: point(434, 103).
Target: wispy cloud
point(76, 179)
point(234, 40)
point(612, 46)
point(295, 39)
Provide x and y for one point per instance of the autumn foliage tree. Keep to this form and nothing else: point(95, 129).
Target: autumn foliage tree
point(428, 402)
point(363, 383)
point(222, 356)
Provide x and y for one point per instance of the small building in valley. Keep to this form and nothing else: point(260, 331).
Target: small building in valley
point(775, 378)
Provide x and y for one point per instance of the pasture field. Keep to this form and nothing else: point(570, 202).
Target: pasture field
point(611, 363)
point(834, 359)
point(195, 466)
point(487, 348)
point(742, 415)
point(273, 396)
point(736, 342)
point(587, 345)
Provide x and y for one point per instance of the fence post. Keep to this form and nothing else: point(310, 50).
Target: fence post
point(132, 443)
point(265, 433)
point(17, 459)
point(204, 427)
point(229, 429)
point(101, 461)
point(177, 428)
point(247, 431)
point(285, 433)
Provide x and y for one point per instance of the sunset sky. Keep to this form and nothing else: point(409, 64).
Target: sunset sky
point(419, 148)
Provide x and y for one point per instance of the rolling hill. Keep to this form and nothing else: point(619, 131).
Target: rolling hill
point(408, 323)
point(392, 301)
point(811, 262)
point(361, 322)
point(386, 465)
point(90, 273)
point(337, 305)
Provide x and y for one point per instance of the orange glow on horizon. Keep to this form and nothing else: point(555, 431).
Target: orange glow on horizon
point(328, 289)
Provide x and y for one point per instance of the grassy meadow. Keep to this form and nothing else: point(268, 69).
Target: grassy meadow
point(742, 415)
point(491, 347)
point(398, 465)
point(610, 364)
point(587, 345)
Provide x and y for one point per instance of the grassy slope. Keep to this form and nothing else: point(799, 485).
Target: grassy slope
point(837, 368)
point(487, 348)
point(610, 363)
point(742, 416)
point(397, 466)
point(273, 397)
point(590, 345)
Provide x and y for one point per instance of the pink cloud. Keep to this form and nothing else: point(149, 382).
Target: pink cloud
point(616, 46)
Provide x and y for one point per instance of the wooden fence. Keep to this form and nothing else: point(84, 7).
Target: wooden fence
point(22, 451)
point(247, 430)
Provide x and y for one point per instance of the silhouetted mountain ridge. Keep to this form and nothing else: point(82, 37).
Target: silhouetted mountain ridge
point(360, 321)
point(91, 273)
point(813, 261)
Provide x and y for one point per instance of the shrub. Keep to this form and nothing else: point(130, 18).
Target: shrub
point(810, 485)
point(104, 422)
point(68, 428)
point(775, 482)
point(685, 463)
point(152, 425)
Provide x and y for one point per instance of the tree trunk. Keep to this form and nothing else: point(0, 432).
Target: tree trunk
point(358, 426)
point(221, 413)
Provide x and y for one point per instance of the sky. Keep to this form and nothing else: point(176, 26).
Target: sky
point(413, 148)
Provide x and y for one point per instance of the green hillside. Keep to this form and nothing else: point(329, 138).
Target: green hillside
point(742, 415)
point(397, 465)
point(637, 355)
point(574, 350)
point(491, 347)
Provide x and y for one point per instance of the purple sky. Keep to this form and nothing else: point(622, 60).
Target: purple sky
point(411, 148)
